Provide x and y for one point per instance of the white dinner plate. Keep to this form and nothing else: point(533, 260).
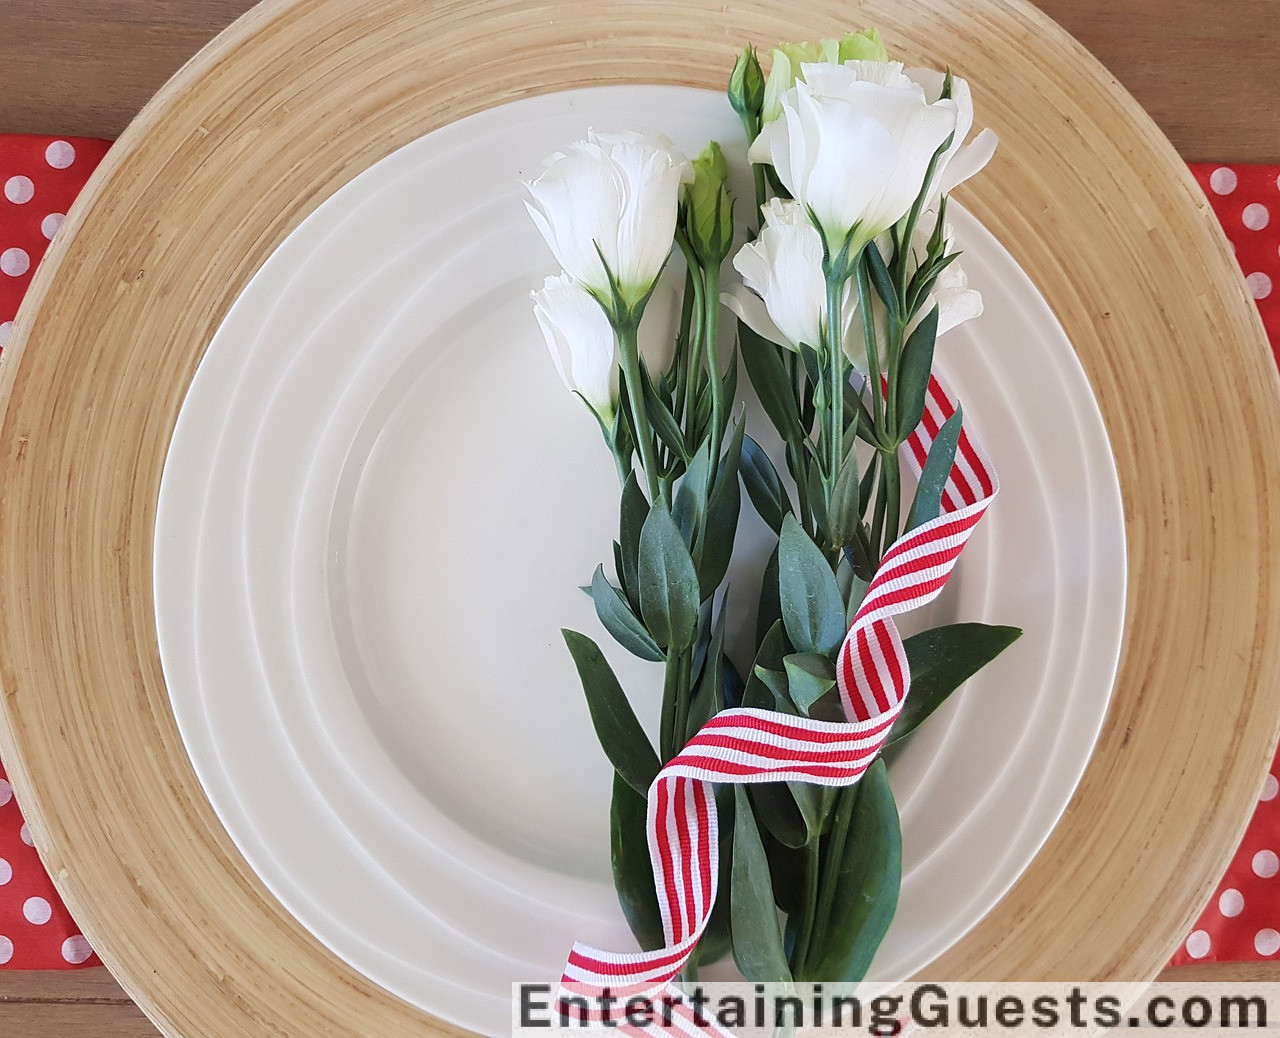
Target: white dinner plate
point(376, 511)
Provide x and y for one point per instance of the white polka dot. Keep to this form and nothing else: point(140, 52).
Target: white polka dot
point(1270, 788)
point(1259, 284)
point(60, 155)
point(37, 910)
point(1198, 944)
point(14, 262)
point(75, 949)
point(1278, 183)
point(1255, 216)
point(6, 329)
point(51, 224)
point(1231, 903)
point(6, 949)
point(25, 833)
point(1267, 941)
point(6, 872)
point(19, 190)
point(6, 790)
point(1223, 180)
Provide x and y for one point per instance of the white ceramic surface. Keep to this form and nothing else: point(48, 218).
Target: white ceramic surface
point(377, 507)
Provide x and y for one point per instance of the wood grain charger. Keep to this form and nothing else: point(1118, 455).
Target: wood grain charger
point(298, 97)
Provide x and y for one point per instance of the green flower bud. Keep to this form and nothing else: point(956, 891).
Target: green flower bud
point(709, 219)
point(746, 85)
point(866, 45)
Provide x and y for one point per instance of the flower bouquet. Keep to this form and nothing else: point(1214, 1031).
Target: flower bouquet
point(762, 824)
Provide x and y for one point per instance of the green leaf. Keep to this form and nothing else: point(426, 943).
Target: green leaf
point(757, 938)
point(731, 460)
point(769, 608)
point(860, 556)
point(618, 619)
point(913, 373)
point(729, 382)
point(867, 884)
point(668, 582)
point(733, 684)
point(927, 504)
point(715, 549)
point(619, 567)
point(812, 609)
point(691, 496)
point(623, 740)
point(708, 694)
point(812, 367)
point(777, 811)
point(817, 501)
point(882, 281)
point(632, 869)
point(867, 485)
point(702, 640)
point(809, 678)
point(763, 485)
point(786, 867)
point(769, 378)
point(716, 941)
point(634, 511)
point(661, 419)
point(943, 659)
point(776, 682)
point(845, 513)
point(773, 648)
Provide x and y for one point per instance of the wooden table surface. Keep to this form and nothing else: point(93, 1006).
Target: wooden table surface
point(1206, 73)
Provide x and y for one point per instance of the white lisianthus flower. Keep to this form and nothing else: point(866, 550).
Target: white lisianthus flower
point(611, 200)
point(783, 296)
point(853, 144)
point(582, 343)
point(961, 160)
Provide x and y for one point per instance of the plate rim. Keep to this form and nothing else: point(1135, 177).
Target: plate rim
point(82, 695)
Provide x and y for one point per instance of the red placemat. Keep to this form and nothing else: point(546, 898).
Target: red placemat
point(39, 178)
point(1242, 921)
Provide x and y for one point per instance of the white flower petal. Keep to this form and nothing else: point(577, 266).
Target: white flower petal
point(612, 195)
point(581, 342)
point(750, 309)
point(969, 160)
point(853, 143)
point(784, 267)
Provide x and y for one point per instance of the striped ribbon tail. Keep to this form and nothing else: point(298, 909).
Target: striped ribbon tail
point(747, 745)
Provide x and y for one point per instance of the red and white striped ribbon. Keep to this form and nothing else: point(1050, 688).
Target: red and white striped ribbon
point(747, 745)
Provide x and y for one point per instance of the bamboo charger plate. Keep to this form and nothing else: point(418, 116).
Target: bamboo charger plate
point(299, 96)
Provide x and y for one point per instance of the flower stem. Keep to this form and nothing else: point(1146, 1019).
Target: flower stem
point(892, 493)
point(710, 341)
point(882, 500)
point(684, 340)
point(683, 682)
point(693, 345)
point(670, 707)
point(812, 867)
point(831, 867)
point(630, 349)
point(873, 351)
point(834, 432)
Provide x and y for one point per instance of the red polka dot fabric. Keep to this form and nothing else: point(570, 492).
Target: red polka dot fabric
point(1241, 923)
point(40, 177)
